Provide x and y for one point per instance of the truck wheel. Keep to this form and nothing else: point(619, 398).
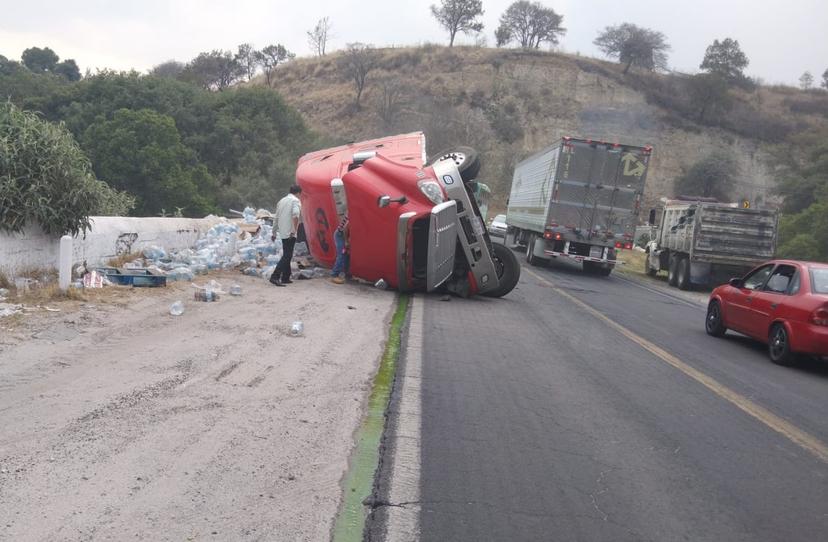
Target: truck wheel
point(671, 271)
point(595, 268)
point(683, 273)
point(530, 250)
point(466, 159)
point(508, 270)
point(649, 269)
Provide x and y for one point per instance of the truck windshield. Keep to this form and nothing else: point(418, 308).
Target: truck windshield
point(819, 280)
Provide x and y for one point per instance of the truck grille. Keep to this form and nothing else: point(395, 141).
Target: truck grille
point(443, 232)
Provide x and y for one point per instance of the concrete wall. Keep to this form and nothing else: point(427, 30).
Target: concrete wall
point(109, 237)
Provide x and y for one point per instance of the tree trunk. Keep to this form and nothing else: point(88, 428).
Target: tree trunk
point(451, 40)
point(627, 67)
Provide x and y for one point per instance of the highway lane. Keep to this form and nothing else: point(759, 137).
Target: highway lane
point(541, 421)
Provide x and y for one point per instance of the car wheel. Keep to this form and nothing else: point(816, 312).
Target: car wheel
point(671, 271)
point(466, 159)
point(508, 270)
point(714, 324)
point(779, 346)
point(683, 273)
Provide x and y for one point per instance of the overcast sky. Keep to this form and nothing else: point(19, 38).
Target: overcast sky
point(781, 39)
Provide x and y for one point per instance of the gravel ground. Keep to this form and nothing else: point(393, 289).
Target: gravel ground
point(119, 421)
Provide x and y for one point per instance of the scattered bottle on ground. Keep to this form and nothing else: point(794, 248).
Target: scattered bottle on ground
point(381, 284)
point(297, 328)
point(177, 308)
point(235, 289)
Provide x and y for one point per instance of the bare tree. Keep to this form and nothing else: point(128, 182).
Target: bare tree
point(459, 16)
point(530, 24)
point(270, 57)
point(320, 35)
point(806, 81)
point(634, 45)
point(390, 102)
point(357, 61)
point(247, 60)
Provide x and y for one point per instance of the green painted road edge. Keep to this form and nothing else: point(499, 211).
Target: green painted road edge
point(359, 481)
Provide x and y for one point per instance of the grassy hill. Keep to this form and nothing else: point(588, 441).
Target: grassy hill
point(510, 103)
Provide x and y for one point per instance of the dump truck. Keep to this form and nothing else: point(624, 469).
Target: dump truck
point(415, 222)
point(577, 199)
point(707, 242)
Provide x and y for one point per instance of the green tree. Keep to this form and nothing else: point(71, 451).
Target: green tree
point(709, 95)
point(40, 60)
point(270, 57)
point(711, 177)
point(68, 69)
point(8, 67)
point(248, 59)
point(216, 70)
point(725, 58)
point(459, 16)
point(530, 24)
point(170, 68)
point(46, 179)
point(825, 79)
point(141, 152)
point(806, 81)
point(634, 46)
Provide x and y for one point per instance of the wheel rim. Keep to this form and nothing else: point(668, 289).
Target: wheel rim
point(713, 317)
point(779, 343)
point(457, 157)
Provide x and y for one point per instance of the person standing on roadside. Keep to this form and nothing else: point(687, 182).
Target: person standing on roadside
point(288, 215)
point(342, 239)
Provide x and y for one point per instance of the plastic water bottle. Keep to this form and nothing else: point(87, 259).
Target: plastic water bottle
point(177, 308)
point(297, 328)
point(235, 289)
point(381, 284)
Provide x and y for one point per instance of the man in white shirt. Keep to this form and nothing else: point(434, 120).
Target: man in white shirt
point(286, 224)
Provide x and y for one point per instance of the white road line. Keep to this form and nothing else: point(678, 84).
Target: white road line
point(403, 523)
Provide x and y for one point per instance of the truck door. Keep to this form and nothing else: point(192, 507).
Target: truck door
point(740, 313)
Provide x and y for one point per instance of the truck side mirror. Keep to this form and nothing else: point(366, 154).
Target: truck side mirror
point(384, 201)
point(652, 217)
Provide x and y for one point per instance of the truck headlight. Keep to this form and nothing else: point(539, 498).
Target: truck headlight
point(432, 190)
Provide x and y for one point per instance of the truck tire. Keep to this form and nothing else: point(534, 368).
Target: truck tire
point(531, 259)
point(595, 268)
point(683, 273)
point(671, 270)
point(649, 269)
point(508, 270)
point(466, 159)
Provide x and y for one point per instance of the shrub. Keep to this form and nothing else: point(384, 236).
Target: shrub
point(46, 178)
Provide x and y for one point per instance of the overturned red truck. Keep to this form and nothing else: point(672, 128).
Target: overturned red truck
point(414, 222)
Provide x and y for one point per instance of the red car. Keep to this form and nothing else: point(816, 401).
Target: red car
point(783, 303)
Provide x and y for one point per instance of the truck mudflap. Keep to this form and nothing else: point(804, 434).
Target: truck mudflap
point(442, 245)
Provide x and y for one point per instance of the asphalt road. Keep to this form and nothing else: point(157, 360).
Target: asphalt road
point(541, 420)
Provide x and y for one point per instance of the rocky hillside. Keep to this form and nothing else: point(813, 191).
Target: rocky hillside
point(510, 103)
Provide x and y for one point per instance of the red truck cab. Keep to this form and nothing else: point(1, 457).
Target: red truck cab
point(412, 223)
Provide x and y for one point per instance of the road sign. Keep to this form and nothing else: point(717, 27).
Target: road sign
point(745, 204)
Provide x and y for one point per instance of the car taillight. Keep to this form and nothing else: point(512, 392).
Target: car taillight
point(820, 317)
point(619, 244)
point(628, 246)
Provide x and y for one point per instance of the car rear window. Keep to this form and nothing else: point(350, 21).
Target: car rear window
point(819, 280)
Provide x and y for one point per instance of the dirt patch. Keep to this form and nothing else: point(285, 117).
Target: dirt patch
point(118, 420)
